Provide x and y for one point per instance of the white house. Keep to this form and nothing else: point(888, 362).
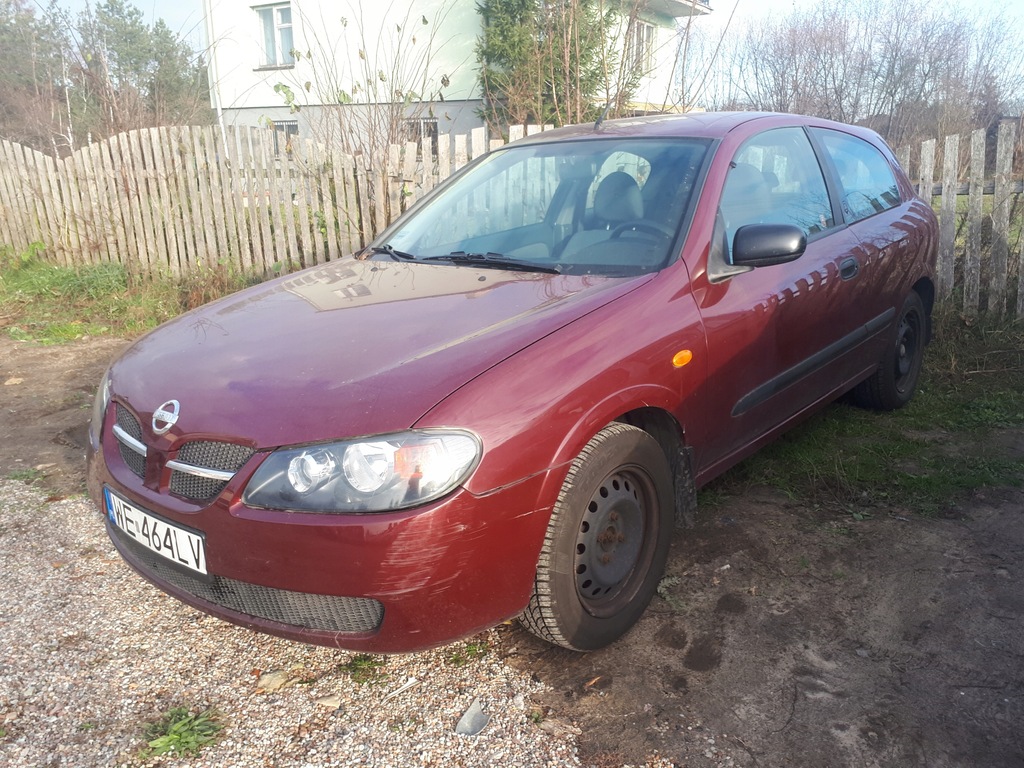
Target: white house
point(418, 58)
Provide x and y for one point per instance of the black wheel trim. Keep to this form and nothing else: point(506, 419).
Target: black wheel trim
point(908, 349)
point(614, 542)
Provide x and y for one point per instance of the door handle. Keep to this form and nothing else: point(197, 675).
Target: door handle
point(849, 268)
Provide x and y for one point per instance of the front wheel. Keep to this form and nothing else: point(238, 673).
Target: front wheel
point(893, 384)
point(606, 544)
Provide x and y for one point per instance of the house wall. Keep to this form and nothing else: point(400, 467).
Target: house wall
point(656, 88)
point(434, 60)
point(364, 52)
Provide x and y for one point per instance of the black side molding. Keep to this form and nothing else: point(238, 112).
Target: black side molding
point(818, 360)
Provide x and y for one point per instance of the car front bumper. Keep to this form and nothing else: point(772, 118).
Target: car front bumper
point(380, 583)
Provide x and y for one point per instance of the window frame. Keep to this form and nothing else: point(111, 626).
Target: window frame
point(278, 58)
point(416, 129)
point(287, 130)
point(641, 40)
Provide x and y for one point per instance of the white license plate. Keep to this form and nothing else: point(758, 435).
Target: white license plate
point(177, 544)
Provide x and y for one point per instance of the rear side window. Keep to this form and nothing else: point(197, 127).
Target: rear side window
point(869, 185)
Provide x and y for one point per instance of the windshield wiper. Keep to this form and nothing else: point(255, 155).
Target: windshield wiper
point(494, 260)
point(394, 254)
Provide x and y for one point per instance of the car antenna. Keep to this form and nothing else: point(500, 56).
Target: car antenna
point(600, 119)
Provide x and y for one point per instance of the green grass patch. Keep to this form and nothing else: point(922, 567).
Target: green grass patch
point(27, 476)
point(181, 733)
point(943, 445)
point(50, 304)
point(460, 655)
point(365, 669)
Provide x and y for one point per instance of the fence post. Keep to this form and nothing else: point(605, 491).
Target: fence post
point(461, 155)
point(972, 257)
point(947, 214)
point(926, 182)
point(1001, 221)
point(478, 142)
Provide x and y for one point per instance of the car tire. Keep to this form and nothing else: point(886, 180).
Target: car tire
point(606, 543)
point(892, 385)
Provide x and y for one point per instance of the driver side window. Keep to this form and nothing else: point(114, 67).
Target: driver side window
point(775, 179)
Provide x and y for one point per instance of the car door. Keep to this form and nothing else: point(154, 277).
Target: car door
point(783, 337)
point(871, 204)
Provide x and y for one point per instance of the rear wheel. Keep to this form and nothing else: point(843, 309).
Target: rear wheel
point(606, 543)
point(893, 384)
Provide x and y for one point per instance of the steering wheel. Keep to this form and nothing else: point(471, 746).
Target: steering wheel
point(641, 225)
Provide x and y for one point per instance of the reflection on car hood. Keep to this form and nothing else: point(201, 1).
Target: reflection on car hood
point(351, 348)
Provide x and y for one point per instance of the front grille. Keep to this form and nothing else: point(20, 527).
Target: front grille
point(298, 609)
point(135, 461)
point(201, 469)
point(210, 455)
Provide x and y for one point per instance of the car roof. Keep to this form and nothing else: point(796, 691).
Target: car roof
point(710, 125)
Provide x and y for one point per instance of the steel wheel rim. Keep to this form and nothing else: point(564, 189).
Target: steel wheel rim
point(908, 340)
point(613, 547)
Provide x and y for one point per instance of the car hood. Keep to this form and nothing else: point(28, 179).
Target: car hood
point(348, 349)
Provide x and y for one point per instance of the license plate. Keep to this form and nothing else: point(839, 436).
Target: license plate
point(173, 542)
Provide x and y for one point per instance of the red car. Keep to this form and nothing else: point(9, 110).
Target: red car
point(503, 406)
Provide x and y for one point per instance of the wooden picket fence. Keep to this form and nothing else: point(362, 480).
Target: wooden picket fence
point(176, 199)
point(981, 264)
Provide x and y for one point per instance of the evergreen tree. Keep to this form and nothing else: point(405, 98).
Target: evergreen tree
point(543, 61)
point(68, 81)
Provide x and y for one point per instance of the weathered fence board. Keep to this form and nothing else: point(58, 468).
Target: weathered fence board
point(171, 200)
point(947, 228)
point(1001, 219)
point(980, 242)
point(972, 258)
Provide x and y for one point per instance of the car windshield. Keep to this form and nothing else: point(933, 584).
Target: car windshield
point(607, 206)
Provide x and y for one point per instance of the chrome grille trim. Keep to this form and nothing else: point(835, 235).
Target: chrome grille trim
point(203, 468)
point(191, 469)
point(128, 441)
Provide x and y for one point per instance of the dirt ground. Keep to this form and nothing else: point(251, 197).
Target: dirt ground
point(781, 636)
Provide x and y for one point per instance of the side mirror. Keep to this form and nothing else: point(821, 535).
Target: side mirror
point(762, 245)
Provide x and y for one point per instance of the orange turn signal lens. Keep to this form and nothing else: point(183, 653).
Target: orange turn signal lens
point(681, 358)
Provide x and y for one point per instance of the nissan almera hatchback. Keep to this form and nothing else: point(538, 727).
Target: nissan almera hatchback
point(503, 406)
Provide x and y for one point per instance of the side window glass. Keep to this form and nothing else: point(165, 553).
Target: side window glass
point(869, 185)
point(775, 179)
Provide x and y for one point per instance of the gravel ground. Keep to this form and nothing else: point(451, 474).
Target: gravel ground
point(91, 653)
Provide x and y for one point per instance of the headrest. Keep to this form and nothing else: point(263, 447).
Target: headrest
point(745, 179)
point(618, 198)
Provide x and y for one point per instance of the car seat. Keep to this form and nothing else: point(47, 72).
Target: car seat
point(616, 201)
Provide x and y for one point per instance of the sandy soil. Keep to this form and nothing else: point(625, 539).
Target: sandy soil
point(782, 636)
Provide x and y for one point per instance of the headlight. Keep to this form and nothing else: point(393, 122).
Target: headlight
point(99, 408)
point(384, 473)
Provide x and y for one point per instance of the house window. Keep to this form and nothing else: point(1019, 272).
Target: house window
point(284, 132)
point(640, 39)
point(420, 128)
point(276, 26)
